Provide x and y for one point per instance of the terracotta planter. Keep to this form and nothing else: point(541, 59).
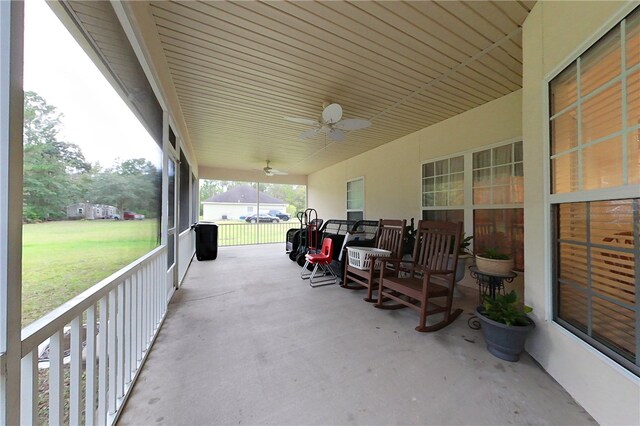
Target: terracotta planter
point(494, 266)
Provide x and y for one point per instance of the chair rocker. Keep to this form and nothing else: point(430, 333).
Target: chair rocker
point(321, 274)
point(431, 275)
point(390, 236)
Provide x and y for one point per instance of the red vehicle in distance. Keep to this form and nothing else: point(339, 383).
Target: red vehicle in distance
point(132, 216)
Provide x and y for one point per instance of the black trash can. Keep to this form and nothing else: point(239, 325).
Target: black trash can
point(206, 240)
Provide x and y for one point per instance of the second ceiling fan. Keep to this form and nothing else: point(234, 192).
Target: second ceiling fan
point(331, 125)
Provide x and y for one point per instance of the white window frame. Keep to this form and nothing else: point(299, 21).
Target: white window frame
point(624, 191)
point(468, 207)
point(347, 209)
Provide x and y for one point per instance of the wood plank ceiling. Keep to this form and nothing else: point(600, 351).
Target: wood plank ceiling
point(240, 67)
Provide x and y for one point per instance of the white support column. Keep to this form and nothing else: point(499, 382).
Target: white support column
point(11, 111)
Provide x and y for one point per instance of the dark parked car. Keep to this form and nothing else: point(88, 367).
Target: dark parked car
point(279, 215)
point(263, 218)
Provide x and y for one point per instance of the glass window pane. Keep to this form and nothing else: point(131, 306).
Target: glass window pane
point(502, 229)
point(602, 165)
point(428, 199)
point(633, 156)
point(501, 194)
point(564, 132)
point(482, 159)
point(572, 267)
point(482, 196)
point(442, 167)
point(518, 169)
point(456, 198)
point(572, 222)
point(517, 188)
point(441, 199)
point(456, 181)
point(633, 99)
point(611, 223)
point(502, 175)
point(633, 40)
point(517, 151)
point(442, 183)
point(602, 114)
point(445, 215)
point(615, 325)
point(429, 185)
point(563, 89)
point(572, 306)
point(428, 169)
point(482, 177)
point(355, 216)
point(457, 164)
point(564, 171)
point(601, 62)
point(171, 172)
point(502, 155)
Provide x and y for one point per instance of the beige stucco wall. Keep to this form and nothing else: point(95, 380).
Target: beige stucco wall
point(392, 172)
point(553, 32)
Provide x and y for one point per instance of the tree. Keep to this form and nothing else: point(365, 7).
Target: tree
point(133, 184)
point(51, 166)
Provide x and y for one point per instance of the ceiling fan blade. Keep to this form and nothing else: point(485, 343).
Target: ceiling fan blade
point(309, 134)
point(278, 172)
point(352, 124)
point(332, 114)
point(299, 120)
point(336, 134)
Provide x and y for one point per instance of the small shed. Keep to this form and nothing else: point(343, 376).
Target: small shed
point(239, 202)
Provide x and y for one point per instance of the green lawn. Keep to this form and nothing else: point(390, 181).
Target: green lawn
point(62, 259)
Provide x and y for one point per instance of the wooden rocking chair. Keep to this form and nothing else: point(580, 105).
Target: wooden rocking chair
point(390, 236)
point(431, 275)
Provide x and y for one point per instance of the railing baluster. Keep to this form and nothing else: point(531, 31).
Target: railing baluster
point(112, 349)
point(128, 325)
point(140, 323)
point(102, 362)
point(75, 383)
point(90, 345)
point(56, 382)
point(120, 343)
point(145, 313)
point(154, 299)
point(29, 391)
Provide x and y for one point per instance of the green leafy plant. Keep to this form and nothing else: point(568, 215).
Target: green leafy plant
point(494, 253)
point(506, 310)
point(464, 245)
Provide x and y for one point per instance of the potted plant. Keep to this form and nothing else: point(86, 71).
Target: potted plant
point(493, 262)
point(505, 325)
point(463, 255)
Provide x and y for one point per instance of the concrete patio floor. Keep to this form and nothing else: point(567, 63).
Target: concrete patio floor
point(246, 341)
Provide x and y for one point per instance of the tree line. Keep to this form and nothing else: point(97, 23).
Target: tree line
point(56, 173)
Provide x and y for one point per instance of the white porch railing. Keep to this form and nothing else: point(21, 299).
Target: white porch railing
point(186, 249)
point(97, 343)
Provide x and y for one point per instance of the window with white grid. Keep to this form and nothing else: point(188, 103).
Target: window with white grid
point(594, 123)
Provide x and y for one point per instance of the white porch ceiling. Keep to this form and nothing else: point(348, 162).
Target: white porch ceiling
point(240, 67)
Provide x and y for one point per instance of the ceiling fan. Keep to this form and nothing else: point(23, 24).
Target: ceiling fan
point(331, 124)
point(270, 171)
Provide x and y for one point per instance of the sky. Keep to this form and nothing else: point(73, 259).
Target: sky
point(57, 68)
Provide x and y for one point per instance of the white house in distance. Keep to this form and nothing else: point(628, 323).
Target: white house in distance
point(240, 201)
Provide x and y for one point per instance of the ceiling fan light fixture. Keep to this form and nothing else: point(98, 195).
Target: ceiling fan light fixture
point(332, 124)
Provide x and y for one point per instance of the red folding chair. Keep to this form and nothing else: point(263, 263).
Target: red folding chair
point(321, 273)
